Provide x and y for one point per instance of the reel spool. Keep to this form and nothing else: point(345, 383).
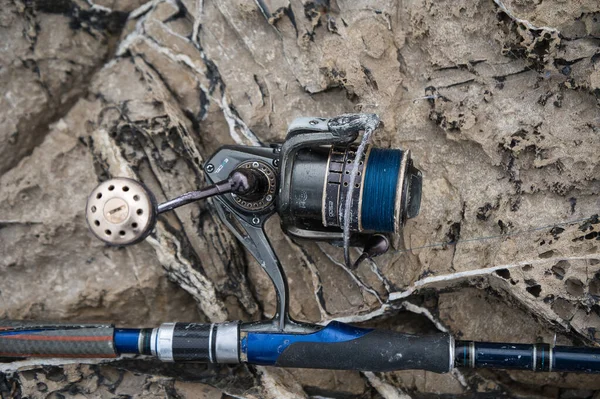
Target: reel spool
point(121, 211)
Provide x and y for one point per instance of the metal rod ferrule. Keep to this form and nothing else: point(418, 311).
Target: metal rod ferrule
point(208, 343)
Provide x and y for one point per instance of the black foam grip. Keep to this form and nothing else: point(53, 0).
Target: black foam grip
point(374, 351)
point(191, 342)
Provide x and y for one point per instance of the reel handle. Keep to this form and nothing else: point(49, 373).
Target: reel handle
point(246, 183)
point(123, 211)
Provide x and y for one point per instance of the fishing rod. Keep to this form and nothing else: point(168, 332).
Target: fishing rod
point(325, 186)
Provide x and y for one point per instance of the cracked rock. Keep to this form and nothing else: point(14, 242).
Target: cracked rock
point(498, 102)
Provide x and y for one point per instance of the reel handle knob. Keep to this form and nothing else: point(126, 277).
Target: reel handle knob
point(121, 211)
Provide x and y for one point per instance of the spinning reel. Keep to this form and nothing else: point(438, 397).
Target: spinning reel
point(306, 180)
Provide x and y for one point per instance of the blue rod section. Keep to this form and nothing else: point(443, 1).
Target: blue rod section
point(583, 360)
point(535, 357)
point(126, 340)
point(265, 348)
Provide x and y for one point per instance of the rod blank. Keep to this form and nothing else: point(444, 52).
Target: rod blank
point(536, 357)
point(336, 346)
point(56, 340)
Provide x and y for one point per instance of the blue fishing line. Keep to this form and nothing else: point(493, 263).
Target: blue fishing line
point(380, 190)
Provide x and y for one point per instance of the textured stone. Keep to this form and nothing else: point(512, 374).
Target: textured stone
point(497, 100)
point(48, 54)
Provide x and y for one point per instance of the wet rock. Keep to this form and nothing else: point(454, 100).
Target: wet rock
point(497, 100)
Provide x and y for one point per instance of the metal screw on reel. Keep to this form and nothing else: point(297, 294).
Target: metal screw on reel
point(121, 211)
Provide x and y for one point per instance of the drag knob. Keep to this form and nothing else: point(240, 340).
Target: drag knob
point(121, 211)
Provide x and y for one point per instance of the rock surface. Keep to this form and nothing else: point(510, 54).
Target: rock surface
point(498, 102)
